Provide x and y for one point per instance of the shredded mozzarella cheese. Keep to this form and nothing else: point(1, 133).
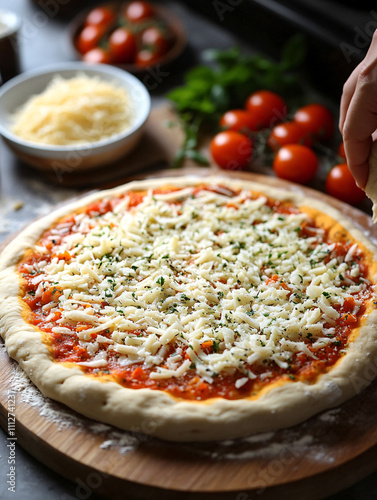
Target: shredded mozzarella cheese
point(200, 270)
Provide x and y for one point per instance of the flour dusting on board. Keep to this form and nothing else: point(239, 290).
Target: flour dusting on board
point(63, 417)
point(37, 200)
point(287, 443)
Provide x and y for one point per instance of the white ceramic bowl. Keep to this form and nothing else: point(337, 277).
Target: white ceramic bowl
point(72, 158)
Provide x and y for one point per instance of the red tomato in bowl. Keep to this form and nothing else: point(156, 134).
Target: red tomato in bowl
point(146, 57)
point(138, 11)
point(316, 120)
point(122, 45)
point(153, 39)
point(238, 120)
point(341, 184)
point(296, 163)
point(231, 150)
point(98, 55)
point(287, 133)
point(88, 38)
point(267, 107)
point(101, 17)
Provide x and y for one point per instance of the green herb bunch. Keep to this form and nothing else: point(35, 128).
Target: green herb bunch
point(210, 90)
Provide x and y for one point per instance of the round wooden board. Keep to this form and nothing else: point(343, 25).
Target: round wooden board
point(312, 460)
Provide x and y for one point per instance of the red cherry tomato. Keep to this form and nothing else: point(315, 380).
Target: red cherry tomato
point(316, 120)
point(97, 55)
point(238, 120)
point(341, 184)
point(88, 38)
point(100, 16)
point(138, 11)
point(231, 150)
point(287, 133)
point(146, 57)
point(122, 45)
point(153, 39)
point(341, 151)
point(296, 163)
point(268, 108)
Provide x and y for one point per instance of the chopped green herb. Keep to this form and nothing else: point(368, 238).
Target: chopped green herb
point(160, 281)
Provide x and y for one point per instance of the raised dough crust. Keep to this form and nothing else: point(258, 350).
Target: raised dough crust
point(156, 412)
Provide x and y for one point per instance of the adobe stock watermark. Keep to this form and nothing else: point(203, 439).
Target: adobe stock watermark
point(11, 441)
point(223, 7)
point(272, 472)
point(361, 39)
point(362, 379)
point(155, 77)
point(32, 24)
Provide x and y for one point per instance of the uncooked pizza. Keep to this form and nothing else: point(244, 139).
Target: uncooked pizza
point(192, 308)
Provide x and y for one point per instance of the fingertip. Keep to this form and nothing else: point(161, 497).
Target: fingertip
point(360, 174)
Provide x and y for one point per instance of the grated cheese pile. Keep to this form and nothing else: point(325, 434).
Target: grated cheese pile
point(194, 271)
point(74, 111)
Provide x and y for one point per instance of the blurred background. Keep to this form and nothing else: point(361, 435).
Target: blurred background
point(339, 31)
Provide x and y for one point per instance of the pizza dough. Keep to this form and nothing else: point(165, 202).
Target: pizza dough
point(284, 402)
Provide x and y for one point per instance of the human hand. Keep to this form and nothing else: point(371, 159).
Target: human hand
point(358, 114)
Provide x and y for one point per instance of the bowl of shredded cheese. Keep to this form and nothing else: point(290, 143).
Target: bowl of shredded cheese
point(73, 116)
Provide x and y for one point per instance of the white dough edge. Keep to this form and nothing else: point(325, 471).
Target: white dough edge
point(155, 412)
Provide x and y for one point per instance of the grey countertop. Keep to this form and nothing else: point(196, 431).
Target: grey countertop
point(44, 40)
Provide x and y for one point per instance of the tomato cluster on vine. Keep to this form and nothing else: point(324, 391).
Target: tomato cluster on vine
point(290, 141)
point(134, 34)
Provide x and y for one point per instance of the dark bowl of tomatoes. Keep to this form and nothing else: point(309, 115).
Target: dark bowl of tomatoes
point(132, 35)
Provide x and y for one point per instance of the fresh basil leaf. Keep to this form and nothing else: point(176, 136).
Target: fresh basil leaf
point(191, 143)
point(178, 159)
point(200, 87)
point(182, 96)
point(200, 73)
point(195, 155)
point(294, 52)
point(204, 106)
point(220, 98)
point(222, 56)
point(236, 75)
